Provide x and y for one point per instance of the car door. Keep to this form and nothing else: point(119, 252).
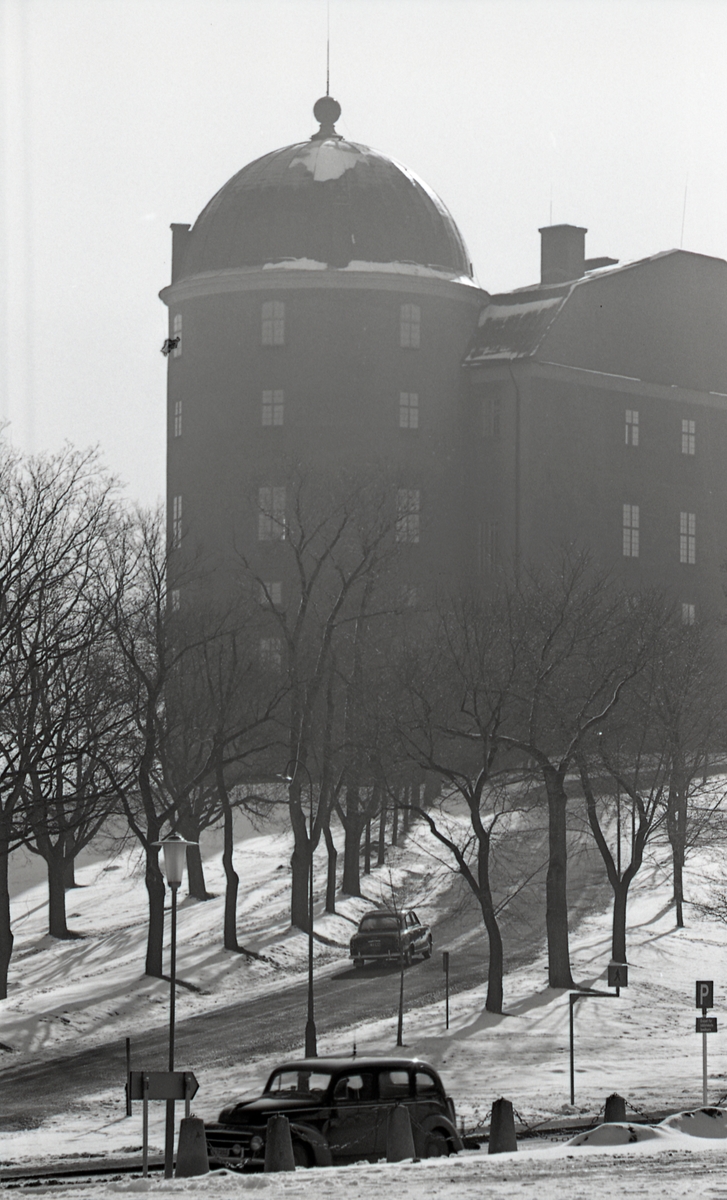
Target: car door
point(351, 1127)
point(394, 1087)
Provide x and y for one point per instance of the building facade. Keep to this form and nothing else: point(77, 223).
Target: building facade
point(324, 316)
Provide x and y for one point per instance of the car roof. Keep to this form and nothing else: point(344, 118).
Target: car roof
point(342, 1063)
point(384, 912)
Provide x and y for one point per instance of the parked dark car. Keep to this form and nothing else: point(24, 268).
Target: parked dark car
point(338, 1111)
point(388, 936)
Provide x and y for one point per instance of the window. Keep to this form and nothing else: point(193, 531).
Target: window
point(687, 537)
point(176, 522)
point(177, 418)
point(689, 435)
point(273, 408)
point(491, 417)
point(632, 427)
point(271, 652)
point(689, 614)
point(409, 326)
point(271, 515)
point(407, 514)
point(425, 1085)
point(489, 545)
point(273, 323)
point(177, 336)
point(176, 600)
point(354, 1089)
point(631, 530)
point(271, 594)
point(408, 410)
point(393, 1084)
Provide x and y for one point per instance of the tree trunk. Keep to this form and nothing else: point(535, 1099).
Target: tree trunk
point(367, 849)
point(69, 873)
point(332, 862)
point(353, 828)
point(495, 966)
point(395, 822)
point(381, 853)
point(556, 900)
point(6, 932)
point(618, 937)
point(300, 865)
point(155, 933)
point(57, 926)
point(188, 826)
point(232, 879)
point(676, 824)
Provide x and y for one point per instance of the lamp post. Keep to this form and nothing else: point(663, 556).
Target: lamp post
point(175, 857)
point(311, 1040)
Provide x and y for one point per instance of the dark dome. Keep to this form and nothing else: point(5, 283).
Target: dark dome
point(326, 200)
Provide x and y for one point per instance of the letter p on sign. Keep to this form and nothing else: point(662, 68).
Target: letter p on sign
point(705, 993)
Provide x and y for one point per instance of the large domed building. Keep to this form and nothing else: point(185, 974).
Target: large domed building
point(323, 316)
point(319, 311)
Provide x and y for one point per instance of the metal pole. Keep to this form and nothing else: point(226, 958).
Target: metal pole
point(572, 1000)
point(311, 1048)
point(704, 1070)
point(169, 1138)
point(128, 1077)
point(145, 1127)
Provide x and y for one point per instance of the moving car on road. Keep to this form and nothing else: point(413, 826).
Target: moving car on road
point(387, 936)
point(338, 1112)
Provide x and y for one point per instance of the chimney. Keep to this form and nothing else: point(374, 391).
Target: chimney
point(562, 253)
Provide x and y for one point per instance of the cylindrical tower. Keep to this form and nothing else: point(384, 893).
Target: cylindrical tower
point(319, 311)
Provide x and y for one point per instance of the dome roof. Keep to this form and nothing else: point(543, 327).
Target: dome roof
point(326, 200)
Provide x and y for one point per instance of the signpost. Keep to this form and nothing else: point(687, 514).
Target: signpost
point(705, 1024)
point(159, 1085)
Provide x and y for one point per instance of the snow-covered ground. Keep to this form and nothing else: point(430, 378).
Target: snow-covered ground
point(64, 995)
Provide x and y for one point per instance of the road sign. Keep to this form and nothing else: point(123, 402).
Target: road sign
point(618, 975)
point(705, 993)
point(706, 1025)
point(163, 1085)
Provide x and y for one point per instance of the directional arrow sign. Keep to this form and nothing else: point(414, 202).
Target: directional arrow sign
point(163, 1085)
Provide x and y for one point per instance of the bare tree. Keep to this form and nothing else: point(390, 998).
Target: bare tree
point(332, 538)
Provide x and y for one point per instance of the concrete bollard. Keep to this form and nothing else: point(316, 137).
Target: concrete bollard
point(615, 1108)
point(192, 1149)
point(502, 1128)
point(278, 1145)
point(399, 1138)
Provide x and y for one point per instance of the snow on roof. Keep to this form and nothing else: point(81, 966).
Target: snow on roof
point(429, 271)
point(513, 330)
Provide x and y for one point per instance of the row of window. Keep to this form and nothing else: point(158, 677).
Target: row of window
point(272, 326)
point(631, 432)
point(492, 425)
point(272, 411)
point(272, 524)
point(687, 534)
point(272, 519)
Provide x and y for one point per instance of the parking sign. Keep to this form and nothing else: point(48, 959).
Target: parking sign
point(705, 993)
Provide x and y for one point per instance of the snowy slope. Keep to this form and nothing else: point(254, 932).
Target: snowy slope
point(642, 1045)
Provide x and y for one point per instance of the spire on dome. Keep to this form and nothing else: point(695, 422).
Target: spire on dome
point(327, 111)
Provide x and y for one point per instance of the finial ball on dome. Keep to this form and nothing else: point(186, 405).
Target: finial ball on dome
point(326, 110)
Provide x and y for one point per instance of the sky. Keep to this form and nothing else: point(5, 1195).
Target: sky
point(120, 117)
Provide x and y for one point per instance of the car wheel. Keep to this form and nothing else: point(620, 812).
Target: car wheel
point(436, 1145)
point(358, 962)
point(301, 1154)
point(427, 952)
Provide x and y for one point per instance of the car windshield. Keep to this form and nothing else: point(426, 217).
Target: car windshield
point(379, 921)
point(297, 1083)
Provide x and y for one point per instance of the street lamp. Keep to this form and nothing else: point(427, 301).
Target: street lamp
point(311, 1048)
point(175, 857)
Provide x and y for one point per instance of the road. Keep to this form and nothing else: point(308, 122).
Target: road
point(273, 1024)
